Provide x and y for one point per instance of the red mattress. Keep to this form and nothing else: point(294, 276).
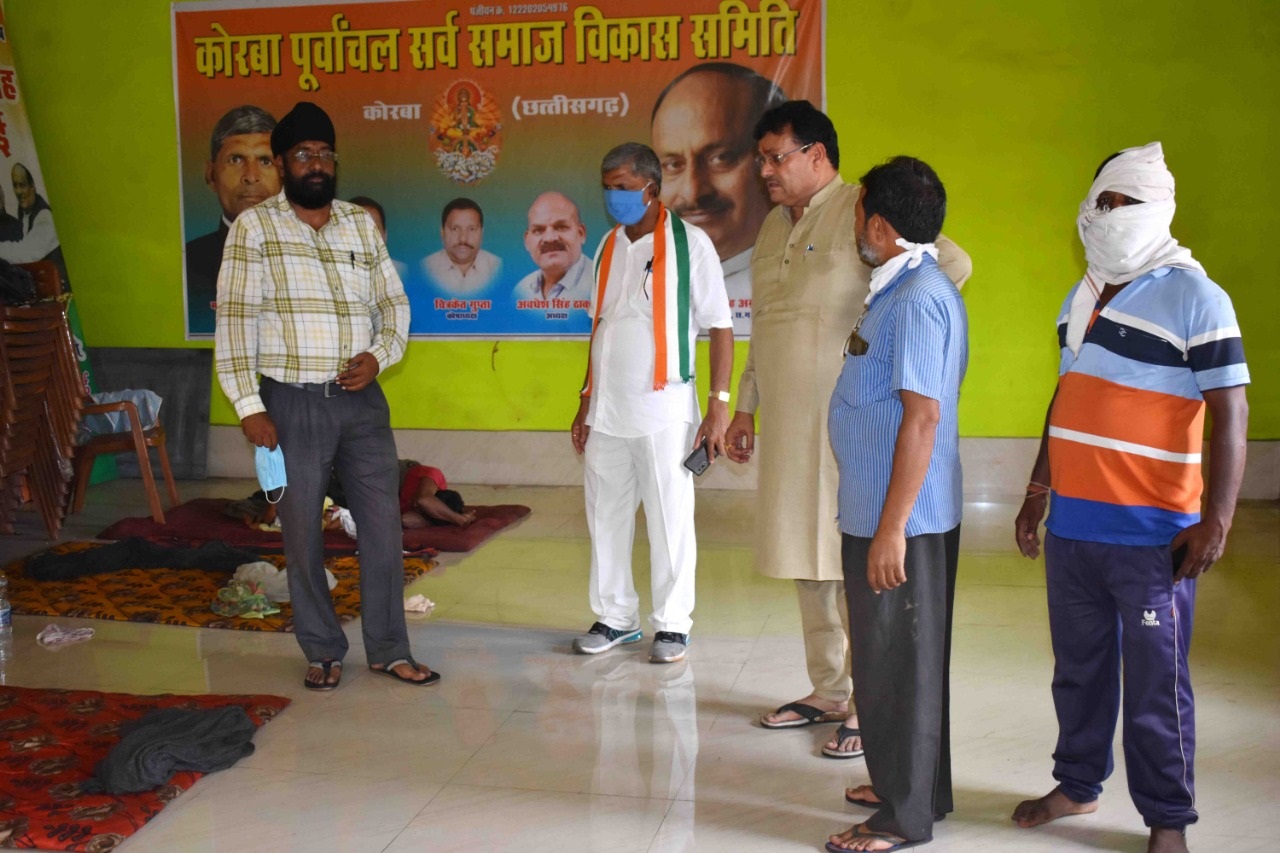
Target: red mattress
point(51, 740)
point(202, 520)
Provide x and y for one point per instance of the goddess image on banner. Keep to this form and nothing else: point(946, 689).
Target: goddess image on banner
point(477, 132)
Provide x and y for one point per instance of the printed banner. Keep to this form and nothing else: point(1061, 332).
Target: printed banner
point(27, 232)
point(477, 131)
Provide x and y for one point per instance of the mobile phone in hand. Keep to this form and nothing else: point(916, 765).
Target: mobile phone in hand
point(699, 460)
point(1179, 554)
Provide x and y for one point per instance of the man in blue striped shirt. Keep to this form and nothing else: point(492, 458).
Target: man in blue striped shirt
point(894, 430)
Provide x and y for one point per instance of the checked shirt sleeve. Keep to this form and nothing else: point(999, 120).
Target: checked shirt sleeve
point(389, 312)
point(236, 329)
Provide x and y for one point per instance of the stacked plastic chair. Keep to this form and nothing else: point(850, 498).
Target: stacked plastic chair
point(40, 403)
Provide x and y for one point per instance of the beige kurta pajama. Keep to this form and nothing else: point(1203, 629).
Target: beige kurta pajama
point(808, 289)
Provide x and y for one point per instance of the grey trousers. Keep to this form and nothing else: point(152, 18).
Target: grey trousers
point(350, 433)
point(901, 651)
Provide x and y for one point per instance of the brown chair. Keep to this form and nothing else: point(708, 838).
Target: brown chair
point(39, 405)
point(74, 403)
point(48, 278)
point(136, 440)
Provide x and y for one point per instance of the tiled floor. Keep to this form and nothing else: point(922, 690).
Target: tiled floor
point(526, 747)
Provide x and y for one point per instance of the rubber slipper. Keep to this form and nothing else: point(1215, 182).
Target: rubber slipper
point(858, 833)
point(842, 734)
point(389, 671)
point(325, 666)
point(811, 716)
point(876, 804)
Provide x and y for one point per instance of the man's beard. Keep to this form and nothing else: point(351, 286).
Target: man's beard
point(866, 253)
point(309, 193)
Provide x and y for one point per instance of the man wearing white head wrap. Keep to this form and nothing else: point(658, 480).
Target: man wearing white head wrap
point(1147, 341)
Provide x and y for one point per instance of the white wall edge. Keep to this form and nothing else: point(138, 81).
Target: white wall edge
point(994, 468)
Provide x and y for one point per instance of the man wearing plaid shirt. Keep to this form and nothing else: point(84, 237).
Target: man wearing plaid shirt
point(309, 300)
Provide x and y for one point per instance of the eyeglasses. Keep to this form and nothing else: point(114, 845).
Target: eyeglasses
point(855, 344)
point(776, 159)
point(304, 157)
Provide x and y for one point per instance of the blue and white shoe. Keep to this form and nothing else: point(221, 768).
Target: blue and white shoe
point(601, 638)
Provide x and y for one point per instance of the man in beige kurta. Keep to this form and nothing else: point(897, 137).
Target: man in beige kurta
point(809, 288)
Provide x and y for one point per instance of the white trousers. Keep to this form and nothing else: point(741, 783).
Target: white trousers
point(622, 473)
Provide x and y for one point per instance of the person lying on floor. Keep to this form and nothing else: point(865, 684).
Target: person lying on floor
point(426, 499)
point(258, 513)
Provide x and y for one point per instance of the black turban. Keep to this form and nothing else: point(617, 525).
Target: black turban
point(306, 122)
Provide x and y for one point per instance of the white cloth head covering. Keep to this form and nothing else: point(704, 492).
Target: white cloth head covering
point(882, 275)
point(1127, 242)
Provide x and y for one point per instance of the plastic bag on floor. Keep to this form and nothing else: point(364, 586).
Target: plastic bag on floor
point(274, 582)
point(244, 599)
point(343, 516)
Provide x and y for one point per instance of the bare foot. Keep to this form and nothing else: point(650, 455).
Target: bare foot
point(832, 711)
point(862, 795)
point(848, 744)
point(1051, 806)
point(858, 837)
point(1166, 840)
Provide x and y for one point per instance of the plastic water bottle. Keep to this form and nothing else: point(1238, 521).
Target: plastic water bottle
point(6, 630)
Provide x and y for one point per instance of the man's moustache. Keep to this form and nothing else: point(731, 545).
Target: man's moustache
point(552, 247)
point(718, 205)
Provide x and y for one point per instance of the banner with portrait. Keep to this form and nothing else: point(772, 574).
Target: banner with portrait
point(27, 232)
point(475, 132)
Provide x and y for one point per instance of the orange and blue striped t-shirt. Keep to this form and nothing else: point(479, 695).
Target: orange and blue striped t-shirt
point(1126, 430)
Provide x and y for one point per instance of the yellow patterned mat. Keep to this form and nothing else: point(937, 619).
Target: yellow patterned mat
point(172, 596)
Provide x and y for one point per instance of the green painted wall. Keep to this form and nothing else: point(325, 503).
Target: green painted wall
point(1013, 103)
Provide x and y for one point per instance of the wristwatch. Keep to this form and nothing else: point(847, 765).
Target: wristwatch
point(722, 396)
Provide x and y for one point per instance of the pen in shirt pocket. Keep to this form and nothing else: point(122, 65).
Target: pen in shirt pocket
point(353, 260)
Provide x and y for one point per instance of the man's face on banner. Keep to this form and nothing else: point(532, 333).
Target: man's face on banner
point(243, 174)
point(702, 135)
point(555, 235)
point(23, 187)
point(462, 233)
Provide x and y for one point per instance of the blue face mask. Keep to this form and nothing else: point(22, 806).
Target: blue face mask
point(271, 476)
point(627, 207)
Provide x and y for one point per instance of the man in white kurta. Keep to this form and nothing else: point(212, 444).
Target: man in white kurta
point(657, 283)
point(809, 288)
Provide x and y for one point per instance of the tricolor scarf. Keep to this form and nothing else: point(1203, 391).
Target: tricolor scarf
point(670, 304)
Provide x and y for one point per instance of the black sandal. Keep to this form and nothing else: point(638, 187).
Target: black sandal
point(843, 733)
point(809, 716)
point(389, 670)
point(326, 666)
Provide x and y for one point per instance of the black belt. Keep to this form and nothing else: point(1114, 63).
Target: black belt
point(329, 389)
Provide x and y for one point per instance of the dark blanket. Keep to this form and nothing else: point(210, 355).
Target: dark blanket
point(136, 553)
point(169, 741)
point(204, 519)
